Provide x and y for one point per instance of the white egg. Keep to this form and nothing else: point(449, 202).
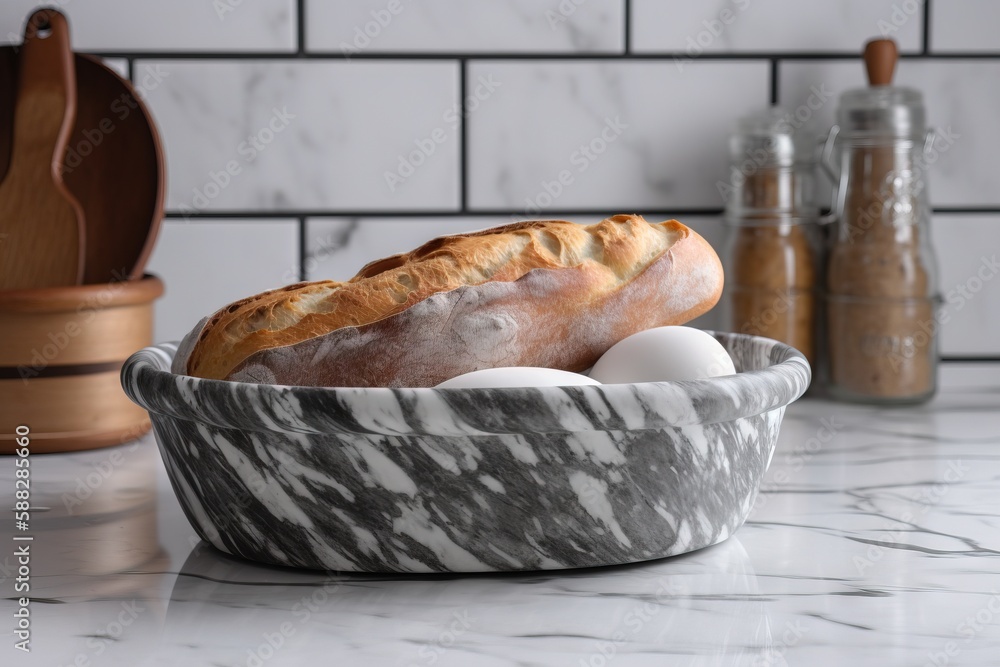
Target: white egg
point(516, 376)
point(663, 354)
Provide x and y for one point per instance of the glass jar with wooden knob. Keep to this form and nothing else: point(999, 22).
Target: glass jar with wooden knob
point(881, 279)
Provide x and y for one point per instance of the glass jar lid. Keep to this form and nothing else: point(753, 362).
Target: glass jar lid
point(771, 172)
point(768, 139)
point(882, 111)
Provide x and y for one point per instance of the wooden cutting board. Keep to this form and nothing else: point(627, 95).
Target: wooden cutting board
point(41, 223)
point(113, 166)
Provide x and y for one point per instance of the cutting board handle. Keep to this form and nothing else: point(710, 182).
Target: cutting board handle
point(47, 70)
point(41, 221)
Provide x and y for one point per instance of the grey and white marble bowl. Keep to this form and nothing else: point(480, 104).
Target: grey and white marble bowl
point(469, 480)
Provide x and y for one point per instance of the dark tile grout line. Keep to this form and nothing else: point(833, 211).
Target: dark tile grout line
point(926, 28)
point(300, 28)
point(627, 20)
point(301, 227)
point(463, 147)
point(303, 248)
point(252, 215)
point(967, 210)
point(774, 81)
point(333, 56)
point(256, 214)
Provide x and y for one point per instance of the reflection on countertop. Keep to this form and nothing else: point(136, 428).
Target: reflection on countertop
point(875, 541)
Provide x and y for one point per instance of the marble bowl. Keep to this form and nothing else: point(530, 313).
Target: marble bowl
point(469, 480)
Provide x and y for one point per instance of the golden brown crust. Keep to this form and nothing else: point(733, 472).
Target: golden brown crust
point(372, 322)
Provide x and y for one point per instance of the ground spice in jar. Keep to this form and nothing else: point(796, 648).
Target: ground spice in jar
point(772, 249)
point(881, 317)
point(771, 284)
point(881, 275)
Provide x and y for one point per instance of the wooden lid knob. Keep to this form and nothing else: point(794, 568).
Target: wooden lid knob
point(880, 61)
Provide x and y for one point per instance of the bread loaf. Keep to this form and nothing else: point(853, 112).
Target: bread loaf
point(539, 293)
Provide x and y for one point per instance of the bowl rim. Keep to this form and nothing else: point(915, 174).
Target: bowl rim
point(149, 382)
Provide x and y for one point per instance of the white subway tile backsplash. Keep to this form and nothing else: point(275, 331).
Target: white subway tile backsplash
point(208, 264)
point(774, 26)
point(511, 26)
point(248, 129)
point(606, 135)
point(968, 250)
point(175, 25)
point(965, 26)
point(961, 96)
point(249, 135)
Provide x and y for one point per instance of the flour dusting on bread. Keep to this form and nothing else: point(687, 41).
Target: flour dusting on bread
point(540, 293)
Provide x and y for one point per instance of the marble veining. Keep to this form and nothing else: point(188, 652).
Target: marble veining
point(499, 26)
point(181, 25)
point(749, 26)
point(608, 136)
point(458, 480)
point(274, 135)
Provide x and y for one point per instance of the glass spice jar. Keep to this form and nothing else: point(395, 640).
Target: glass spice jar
point(771, 252)
point(881, 275)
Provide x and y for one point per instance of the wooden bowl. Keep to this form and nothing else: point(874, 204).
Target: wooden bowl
point(61, 354)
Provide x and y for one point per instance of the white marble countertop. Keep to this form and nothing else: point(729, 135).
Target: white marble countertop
point(875, 541)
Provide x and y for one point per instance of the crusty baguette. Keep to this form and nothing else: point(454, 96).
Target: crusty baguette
point(540, 293)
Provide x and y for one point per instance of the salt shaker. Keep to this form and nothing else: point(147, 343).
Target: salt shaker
point(881, 277)
point(772, 247)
